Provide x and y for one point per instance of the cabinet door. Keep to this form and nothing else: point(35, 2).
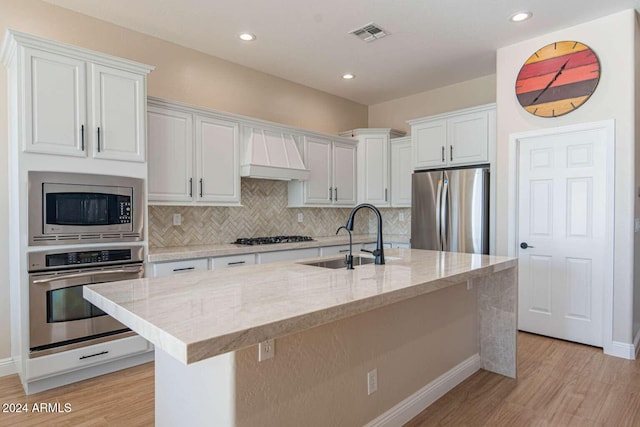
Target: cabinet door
point(217, 161)
point(118, 105)
point(401, 174)
point(55, 104)
point(374, 152)
point(344, 174)
point(170, 136)
point(468, 139)
point(319, 187)
point(429, 144)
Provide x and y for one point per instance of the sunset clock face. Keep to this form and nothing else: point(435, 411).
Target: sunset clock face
point(558, 79)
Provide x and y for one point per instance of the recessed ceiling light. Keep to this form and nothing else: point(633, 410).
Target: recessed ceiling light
point(247, 37)
point(520, 16)
point(348, 76)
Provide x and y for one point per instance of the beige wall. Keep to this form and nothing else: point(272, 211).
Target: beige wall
point(395, 113)
point(612, 39)
point(181, 75)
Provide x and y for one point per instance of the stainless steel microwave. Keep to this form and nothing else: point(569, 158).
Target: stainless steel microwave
point(68, 208)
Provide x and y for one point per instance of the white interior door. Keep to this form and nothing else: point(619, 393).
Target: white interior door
point(562, 220)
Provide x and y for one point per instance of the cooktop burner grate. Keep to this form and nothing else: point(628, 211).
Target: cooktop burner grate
point(272, 240)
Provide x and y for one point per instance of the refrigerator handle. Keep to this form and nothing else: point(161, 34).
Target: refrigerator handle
point(443, 214)
point(438, 206)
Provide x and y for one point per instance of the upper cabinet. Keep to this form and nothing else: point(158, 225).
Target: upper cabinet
point(332, 179)
point(458, 138)
point(76, 102)
point(401, 170)
point(193, 156)
point(374, 166)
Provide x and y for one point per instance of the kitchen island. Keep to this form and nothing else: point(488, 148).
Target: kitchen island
point(423, 318)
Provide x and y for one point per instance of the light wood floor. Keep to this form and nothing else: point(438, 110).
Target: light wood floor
point(124, 398)
point(559, 384)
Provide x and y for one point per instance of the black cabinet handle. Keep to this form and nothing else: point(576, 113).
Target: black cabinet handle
point(451, 153)
point(201, 187)
point(184, 269)
point(98, 139)
point(330, 193)
point(82, 136)
point(335, 194)
point(190, 187)
point(443, 154)
point(524, 245)
point(236, 263)
point(94, 355)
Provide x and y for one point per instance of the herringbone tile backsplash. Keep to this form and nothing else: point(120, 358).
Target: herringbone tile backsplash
point(264, 212)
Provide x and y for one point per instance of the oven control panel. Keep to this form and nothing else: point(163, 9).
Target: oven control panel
point(101, 256)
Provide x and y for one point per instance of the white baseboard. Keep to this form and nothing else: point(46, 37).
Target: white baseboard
point(622, 349)
point(7, 367)
point(418, 401)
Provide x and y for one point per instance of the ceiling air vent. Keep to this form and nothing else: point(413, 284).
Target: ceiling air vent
point(369, 32)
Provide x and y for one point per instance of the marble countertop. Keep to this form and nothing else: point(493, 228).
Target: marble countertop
point(195, 316)
point(175, 253)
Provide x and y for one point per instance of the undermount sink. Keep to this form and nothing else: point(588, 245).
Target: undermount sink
point(339, 263)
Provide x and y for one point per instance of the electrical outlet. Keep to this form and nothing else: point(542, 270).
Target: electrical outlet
point(266, 350)
point(177, 219)
point(300, 217)
point(372, 381)
point(401, 216)
point(637, 225)
point(469, 284)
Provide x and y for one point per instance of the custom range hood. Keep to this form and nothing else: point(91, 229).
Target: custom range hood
point(271, 154)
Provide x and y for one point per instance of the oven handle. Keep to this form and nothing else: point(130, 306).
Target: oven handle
point(85, 274)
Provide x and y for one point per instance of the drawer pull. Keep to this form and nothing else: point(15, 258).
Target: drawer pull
point(341, 251)
point(94, 355)
point(236, 263)
point(184, 269)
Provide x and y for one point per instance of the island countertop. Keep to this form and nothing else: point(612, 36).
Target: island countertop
point(196, 316)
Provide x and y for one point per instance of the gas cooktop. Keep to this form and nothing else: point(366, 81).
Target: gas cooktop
point(271, 240)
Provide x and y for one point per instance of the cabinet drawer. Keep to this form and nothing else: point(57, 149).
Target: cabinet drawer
point(177, 267)
point(267, 257)
point(232, 261)
point(337, 250)
point(79, 358)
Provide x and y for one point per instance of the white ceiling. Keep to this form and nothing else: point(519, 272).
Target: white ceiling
point(432, 43)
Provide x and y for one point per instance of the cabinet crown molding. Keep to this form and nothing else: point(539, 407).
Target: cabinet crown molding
point(393, 133)
point(14, 38)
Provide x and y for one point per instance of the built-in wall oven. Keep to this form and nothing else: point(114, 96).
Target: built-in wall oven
point(60, 318)
point(69, 208)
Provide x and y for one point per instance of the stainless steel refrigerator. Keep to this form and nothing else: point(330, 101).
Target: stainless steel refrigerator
point(450, 210)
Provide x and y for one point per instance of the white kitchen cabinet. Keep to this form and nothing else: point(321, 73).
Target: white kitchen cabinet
point(337, 250)
point(170, 135)
point(232, 261)
point(171, 268)
point(373, 165)
point(332, 179)
point(78, 102)
point(118, 102)
point(193, 156)
point(293, 254)
point(401, 170)
point(217, 160)
point(458, 138)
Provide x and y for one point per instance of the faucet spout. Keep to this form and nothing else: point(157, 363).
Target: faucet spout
point(379, 252)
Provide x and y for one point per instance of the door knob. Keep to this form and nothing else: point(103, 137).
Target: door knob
point(524, 245)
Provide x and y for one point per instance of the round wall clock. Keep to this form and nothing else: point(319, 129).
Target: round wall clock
point(558, 78)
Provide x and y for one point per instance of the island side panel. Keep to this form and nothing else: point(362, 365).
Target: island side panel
point(200, 394)
point(318, 377)
point(498, 314)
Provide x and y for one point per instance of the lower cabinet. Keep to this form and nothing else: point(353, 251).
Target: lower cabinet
point(267, 257)
point(232, 261)
point(71, 360)
point(160, 269)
